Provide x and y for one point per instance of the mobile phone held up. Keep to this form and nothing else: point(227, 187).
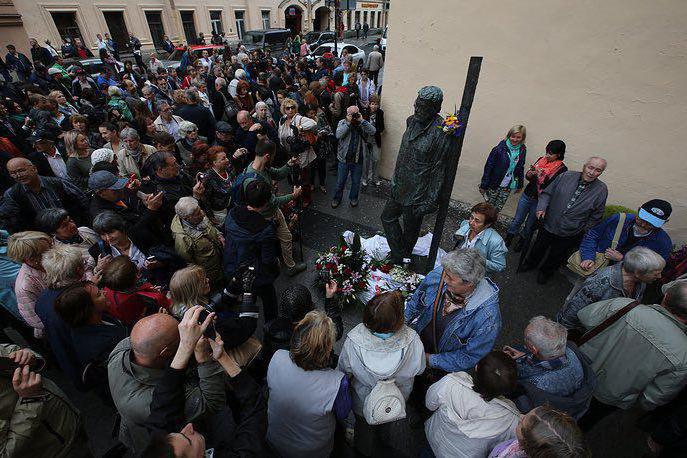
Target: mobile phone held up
point(210, 332)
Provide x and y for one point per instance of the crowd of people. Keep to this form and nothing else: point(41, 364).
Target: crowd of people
point(144, 226)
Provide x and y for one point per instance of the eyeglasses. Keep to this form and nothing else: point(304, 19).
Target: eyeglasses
point(289, 108)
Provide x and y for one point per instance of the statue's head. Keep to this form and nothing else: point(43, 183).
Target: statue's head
point(428, 103)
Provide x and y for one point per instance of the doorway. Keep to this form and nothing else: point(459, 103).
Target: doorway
point(117, 26)
point(157, 30)
point(322, 19)
point(293, 16)
point(66, 25)
point(189, 25)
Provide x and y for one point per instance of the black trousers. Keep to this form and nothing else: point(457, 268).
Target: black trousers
point(401, 240)
point(268, 295)
point(559, 249)
point(374, 75)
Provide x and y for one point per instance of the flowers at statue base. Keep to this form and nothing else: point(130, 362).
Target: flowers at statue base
point(406, 280)
point(346, 265)
point(450, 125)
point(383, 265)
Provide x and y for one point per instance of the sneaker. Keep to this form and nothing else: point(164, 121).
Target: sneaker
point(336, 203)
point(354, 203)
point(296, 269)
point(363, 182)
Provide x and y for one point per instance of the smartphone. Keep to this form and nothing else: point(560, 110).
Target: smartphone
point(210, 332)
point(9, 366)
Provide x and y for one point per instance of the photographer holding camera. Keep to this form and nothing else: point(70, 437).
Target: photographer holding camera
point(354, 134)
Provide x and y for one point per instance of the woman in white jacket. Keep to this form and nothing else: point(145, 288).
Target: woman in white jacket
point(471, 416)
point(382, 347)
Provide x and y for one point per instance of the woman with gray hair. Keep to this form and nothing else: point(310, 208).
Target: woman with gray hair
point(627, 278)
point(456, 312)
point(132, 156)
point(197, 240)
point(118, 104)
point(64, 231)
point(551, 370)
point(188, 136)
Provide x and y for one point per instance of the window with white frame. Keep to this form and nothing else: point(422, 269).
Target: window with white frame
point(216, 21)
point(265, 19)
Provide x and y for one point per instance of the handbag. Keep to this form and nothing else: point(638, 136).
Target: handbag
point(605, 324)
point(600, 260)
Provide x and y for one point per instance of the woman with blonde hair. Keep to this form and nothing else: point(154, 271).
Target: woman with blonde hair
point(293, 127)
point(505, 168)
point(27, 248)
point(306, 395)
point(63, 105)
point(544, 432)
point(78, 157)
point(190, 286)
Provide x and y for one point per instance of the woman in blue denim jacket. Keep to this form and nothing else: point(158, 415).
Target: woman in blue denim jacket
point(468, 318)
point(476, 232)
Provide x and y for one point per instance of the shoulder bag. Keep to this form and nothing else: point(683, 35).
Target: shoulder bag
point(595, 331)
point(600, 261)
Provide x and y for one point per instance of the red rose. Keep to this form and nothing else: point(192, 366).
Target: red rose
point(347, 271)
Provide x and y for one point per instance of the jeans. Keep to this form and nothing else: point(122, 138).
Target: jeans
point(356, 171)
point(370, 163)
point(527, 210)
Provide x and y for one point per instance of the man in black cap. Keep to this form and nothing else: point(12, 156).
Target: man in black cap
point(119, 195)
point(49, 161)
point(643, 229)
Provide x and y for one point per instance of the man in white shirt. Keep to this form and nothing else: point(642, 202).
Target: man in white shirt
point(47, 152)
point(101, 43)
point(167, 122)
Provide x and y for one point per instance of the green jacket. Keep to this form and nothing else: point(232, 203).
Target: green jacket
point(204, 248)
point(49, 426)
point(132, 389)
point(642, 357)
point(271, 174)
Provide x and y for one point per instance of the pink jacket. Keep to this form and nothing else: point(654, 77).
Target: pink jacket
point(29, 285)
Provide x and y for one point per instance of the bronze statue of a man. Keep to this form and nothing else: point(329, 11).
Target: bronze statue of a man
point(421, 168)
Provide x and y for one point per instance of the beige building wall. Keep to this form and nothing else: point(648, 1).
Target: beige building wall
point(12, 29)
point(609, 78)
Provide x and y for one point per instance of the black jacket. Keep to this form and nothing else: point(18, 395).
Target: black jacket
point(201, 117)
point(244, 426)
point(379, 127)
point(173, 189)
point(142, 224)
point(250, 239)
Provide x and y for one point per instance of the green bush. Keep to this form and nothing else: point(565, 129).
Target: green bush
point(613, 209)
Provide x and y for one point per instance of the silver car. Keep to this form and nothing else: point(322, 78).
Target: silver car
point(357, 54)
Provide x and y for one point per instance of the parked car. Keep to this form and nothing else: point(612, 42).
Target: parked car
point(275, 39)
point(357, 54)
point(382, 42)
point(174, 59)
point(315, 39)
point(91, 66)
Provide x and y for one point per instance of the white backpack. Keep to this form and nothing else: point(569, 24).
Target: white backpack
point(384, 404)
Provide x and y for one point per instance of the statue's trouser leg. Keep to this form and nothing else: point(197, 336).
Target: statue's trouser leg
point(392, 228)
point(411, 229)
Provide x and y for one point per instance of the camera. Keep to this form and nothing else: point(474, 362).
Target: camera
point(202, 176)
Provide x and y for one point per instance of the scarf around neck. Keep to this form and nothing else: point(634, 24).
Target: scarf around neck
point(545, 170)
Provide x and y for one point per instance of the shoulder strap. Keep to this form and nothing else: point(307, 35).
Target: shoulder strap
point(618, 230)
point(606, 323)
point(434, 311)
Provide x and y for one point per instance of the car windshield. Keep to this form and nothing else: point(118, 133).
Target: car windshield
point(311, 37)
point(176, 55)
point(252, 38)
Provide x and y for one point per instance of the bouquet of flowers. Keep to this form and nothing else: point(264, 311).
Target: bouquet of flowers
point(405, 280)
point(451, 124)
point(346, 265)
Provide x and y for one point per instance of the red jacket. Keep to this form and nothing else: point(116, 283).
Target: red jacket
point(131, 306)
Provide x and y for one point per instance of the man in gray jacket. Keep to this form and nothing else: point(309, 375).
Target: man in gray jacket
point(138, 363)
point(573, 203)
point(641, 358)
point(354, 134)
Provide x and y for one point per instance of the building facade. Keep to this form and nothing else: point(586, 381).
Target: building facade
point(181, 20)
point(605, 77)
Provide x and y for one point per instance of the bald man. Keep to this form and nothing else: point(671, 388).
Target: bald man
point(32, 193)
point(572, 204)
point(140, 362)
